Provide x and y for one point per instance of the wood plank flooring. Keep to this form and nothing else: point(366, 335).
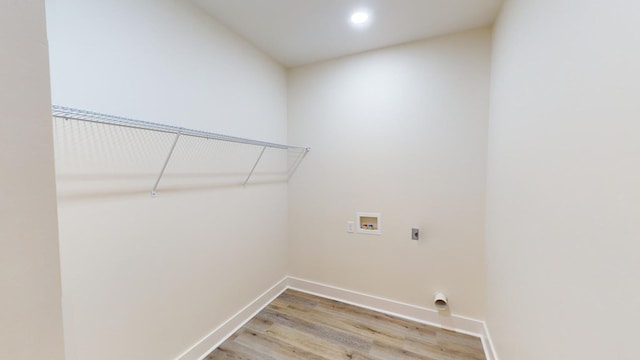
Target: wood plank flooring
point(297, 326)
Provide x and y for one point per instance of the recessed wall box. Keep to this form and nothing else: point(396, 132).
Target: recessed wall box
point(369, 223)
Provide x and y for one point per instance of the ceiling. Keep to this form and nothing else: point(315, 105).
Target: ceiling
point(299, 32)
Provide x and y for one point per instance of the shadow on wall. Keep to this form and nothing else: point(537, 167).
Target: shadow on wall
point(138, 191)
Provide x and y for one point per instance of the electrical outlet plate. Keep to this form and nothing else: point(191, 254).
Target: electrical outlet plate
point(350, 227)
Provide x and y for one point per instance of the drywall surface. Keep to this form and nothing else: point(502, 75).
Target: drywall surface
point(147, 278)
point(563, 202)
point(401, 132)
point(30, 299)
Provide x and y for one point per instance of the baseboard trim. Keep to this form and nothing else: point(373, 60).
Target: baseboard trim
point(216, 337)
point(427, 316)
point(458, 323)
point(489, 348)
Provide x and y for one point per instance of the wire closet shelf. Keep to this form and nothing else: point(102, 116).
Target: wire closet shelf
point(68, 113)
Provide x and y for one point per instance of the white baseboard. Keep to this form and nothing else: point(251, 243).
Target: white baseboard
point(411, 312)
point(461, 324)
point(489, 348)
point(216, 337)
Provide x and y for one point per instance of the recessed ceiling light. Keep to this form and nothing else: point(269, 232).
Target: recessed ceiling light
point(359, 17)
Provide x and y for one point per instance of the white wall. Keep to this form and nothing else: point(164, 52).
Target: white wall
point(146, 278)
point(401, 131)
point(563, 203)
point(30, 303)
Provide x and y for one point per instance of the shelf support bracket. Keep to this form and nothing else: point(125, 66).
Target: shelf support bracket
point(254, 166)
point(297, 163)
point(166, 162)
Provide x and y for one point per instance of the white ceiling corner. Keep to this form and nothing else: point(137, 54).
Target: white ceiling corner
point(299, 32)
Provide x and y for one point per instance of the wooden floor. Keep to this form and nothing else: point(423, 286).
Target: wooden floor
point(301, 326)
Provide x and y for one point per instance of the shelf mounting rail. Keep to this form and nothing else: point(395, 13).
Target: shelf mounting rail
point(94, 117)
